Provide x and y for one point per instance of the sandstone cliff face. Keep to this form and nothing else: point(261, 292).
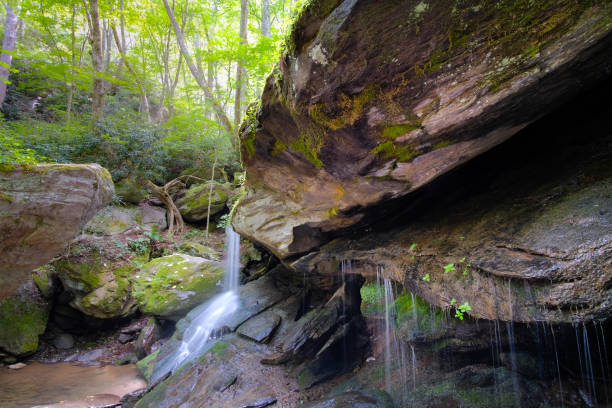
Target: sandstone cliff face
point(520, 234)
point(42, 208)
point(376, 99)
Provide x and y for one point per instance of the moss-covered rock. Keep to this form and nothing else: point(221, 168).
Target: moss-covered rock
point(45, 279)
point(23, 317)
point(114, 220)
point(194, 204)
point(197, 249)
point(99, 284)
point(145, 366)
point(129, 190)
point(170, 286)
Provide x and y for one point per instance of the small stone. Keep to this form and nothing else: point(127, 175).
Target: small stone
point(264, 402)
point(64, 341)
point(125, 337)
point(17, 366)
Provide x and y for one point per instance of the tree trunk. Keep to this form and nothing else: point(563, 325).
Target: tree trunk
point(8, 46)
point(210, 191)
point(72, 73)
point(240, 71)
point(199, 77)
point(265, 19)
point(95, 38)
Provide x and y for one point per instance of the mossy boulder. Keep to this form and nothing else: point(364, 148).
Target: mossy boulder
point(193, 205)
point(23, 317)
point(42, 208)
point(197, 249)
point(170, 286)
point(100, 285)
point(129, 190)
point(114, 220)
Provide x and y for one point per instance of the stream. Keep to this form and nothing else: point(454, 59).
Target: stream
point(66, 385)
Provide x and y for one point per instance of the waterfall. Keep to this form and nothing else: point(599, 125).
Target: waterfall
point(208, 318)
point(232, 260)
point(394, 352)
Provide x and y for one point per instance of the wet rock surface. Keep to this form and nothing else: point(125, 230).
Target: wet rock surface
point(519, 234)
point(42, 208)
point(351, 399)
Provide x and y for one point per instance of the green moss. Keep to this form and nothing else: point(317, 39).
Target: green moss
point(390, 150)
point(279, 146)
point(87, 273)
point(146, 365)
point(346, 112)
point(168, 285)
point(443, 144)
point(393, 132)
point(219, 349)
point(333, 211)
point(21, 322)
point(6, 197)
point(309, 145)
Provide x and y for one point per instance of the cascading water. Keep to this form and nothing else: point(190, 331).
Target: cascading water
point(208, 318)
point(394, 352)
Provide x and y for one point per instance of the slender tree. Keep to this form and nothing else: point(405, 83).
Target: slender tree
point(265, 19)
point(197, 74)
point(8, 46)
point(95, 38)
point(240, 70)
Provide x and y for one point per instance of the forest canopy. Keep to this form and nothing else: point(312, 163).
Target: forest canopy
point(148, 87)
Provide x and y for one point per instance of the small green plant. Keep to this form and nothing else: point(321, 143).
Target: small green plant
point(461, 309)
point(466, 269)
point(138, 245)
point(412, 247)
point(449, 267)
point(153, 235)
point(224, 221)
point(426, 278)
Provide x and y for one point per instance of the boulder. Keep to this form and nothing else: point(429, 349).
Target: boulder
point(193, 205)
point(129, 190)
point(42, 208)
point(345, 124)
point(98, 281)
point(170, 286)
point(197, 249)
point(23, 317)
point(114, 220)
